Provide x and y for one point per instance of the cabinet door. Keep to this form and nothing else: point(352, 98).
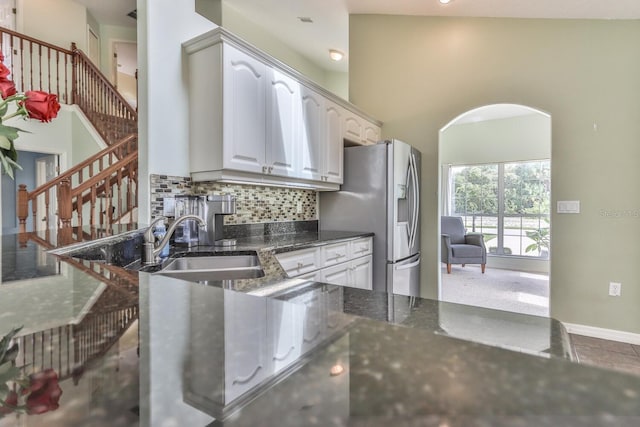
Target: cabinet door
point(353, 129)
point(362, 273)
point(336, 275)
point(311, 141)
point(313, 321)
point(334, 303)
point(284, 124)
point(245, 330)
point(334, 143)
point(371, 133)
point(285, 332)
point(244, 121)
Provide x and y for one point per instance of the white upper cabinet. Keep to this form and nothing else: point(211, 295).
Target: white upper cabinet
point(311, 143)
point(244, 99)
point(358, 130)
point(253, 119)
point(284, 124)
point(371, 134)
point(333, 143)
point(322, 144)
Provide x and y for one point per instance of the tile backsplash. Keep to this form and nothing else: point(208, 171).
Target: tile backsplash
point(254, 204)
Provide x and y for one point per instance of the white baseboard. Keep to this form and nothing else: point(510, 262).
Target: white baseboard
point(606, 334)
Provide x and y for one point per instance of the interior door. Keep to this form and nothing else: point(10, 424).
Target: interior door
point(7, 20)
point(46, 170)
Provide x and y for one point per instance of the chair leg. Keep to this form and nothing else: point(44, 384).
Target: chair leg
point(448, 268)
point(483, 265)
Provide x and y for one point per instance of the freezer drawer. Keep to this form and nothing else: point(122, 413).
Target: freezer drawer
point(403, 278)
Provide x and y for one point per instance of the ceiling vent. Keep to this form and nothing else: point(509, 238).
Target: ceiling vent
point(133, 14)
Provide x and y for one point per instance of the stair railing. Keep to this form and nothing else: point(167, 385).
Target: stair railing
point(112, 116)
point(102, 188)
point(69, 74)
point(37, 65)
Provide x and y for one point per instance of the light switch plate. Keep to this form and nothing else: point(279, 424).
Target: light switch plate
point(568, 206)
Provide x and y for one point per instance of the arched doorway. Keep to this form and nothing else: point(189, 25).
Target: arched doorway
point(495, 173)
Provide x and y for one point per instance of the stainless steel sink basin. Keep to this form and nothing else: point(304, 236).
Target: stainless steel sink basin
point(214, 268)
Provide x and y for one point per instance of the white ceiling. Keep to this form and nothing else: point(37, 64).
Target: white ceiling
point(111, 12)
point(329, 29)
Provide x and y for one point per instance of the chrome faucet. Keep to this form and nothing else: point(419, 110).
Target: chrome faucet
point(151, 250)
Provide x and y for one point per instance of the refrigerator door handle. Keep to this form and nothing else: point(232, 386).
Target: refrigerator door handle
point(416, 192)
point(407, 266)
point(415, 200)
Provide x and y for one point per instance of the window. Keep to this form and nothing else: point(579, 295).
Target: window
point(508, 202)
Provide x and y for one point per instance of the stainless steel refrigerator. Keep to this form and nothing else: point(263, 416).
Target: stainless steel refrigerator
point(381, 194)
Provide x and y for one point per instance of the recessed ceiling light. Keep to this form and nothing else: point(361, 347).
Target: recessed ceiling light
point(444, 1)
point(305, 19)
point(335, 55)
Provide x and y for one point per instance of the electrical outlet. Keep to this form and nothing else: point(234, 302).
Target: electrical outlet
point(615, 289)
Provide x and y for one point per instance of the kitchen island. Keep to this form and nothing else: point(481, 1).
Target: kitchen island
point(135, 348)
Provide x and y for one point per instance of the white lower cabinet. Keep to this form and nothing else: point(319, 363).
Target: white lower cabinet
point(347, 263)
point(285, 331)
point(361, 271)
point(336, 275)
point(357, 273)
point(246, 361)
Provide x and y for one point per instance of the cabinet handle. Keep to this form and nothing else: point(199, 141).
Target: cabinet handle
point(270, 169)
point(300, 265)
point(264, 169)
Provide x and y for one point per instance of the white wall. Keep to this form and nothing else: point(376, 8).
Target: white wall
point(499, 140)
point(584, 73)
point(162, 101)
point(108, 35)
point(35, 18)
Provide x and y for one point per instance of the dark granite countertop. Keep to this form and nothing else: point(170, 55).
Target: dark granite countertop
point(142, 349)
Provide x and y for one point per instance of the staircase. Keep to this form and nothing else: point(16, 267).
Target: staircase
point(102, 190)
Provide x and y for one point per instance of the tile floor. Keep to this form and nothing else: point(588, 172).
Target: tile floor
point(607, 354)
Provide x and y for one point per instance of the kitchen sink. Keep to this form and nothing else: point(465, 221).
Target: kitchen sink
point(213, 268)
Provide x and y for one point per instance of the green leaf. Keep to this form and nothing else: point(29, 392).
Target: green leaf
point(3, 109)
point(9, 131)
point(4, 342)
point(5, 143)
point(10, 373)
point(5, 165)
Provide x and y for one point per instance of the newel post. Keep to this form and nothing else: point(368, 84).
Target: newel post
point(64, 202)
point(74, 73)
point(22, 210)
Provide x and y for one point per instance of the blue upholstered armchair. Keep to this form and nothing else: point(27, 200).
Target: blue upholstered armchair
point(460, 247)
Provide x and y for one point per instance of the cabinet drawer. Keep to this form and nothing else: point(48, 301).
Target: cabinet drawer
point(335, 253)
point(337, 274)
point(299, 262)
point(361, 247)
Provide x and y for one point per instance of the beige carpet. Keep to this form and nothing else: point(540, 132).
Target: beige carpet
point(508, 290)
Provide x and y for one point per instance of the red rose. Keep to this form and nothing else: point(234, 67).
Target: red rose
point(44, 392)
point(4, 71)
point(41, 105)
point(7, 88)
point(9, 403)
